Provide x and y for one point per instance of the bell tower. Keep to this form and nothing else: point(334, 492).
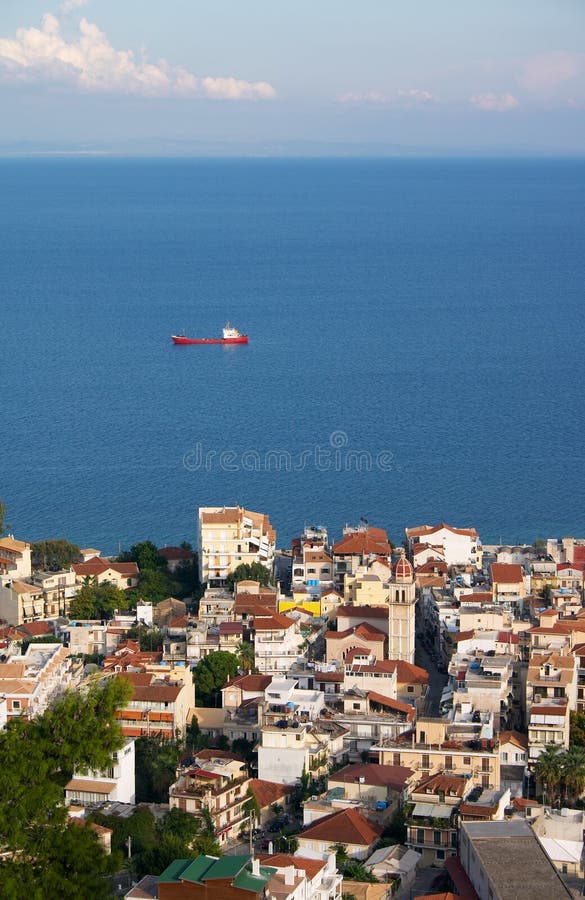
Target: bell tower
point(402, 598)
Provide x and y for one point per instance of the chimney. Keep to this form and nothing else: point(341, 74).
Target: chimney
point(289, 876)
point(256, 867)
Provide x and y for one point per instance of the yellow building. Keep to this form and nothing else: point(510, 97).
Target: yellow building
point(230, 536)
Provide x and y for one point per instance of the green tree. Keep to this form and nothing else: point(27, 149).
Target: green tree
point(549, 771)
point(46, 639)
point(573, 767)
point(54, 554)
point(354, 870)
point(546, 595)
point(211, 673)
point(249, 572)
point(246, 656)
point(2, 518)
point(43, 853)
point(145, 555)
point(577, 729)
point(154, 585)
point(98, 601)
point(156, 764)
point(150, 639)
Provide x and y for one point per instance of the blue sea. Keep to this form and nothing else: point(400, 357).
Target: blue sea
point(416, 345)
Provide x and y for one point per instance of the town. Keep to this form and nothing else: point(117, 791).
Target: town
point(350, 718)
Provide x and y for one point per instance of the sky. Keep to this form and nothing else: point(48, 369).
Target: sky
point(279, 77)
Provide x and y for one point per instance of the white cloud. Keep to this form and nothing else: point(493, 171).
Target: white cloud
point(545, 71)
point(495, 102)
point(416, 95)
point(69, 5)
point(364, 97)
point(90, 63)
point(401, 98)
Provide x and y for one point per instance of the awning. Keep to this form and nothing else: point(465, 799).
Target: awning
point(433, 810)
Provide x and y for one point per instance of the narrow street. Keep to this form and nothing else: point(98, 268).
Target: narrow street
point(437, 680)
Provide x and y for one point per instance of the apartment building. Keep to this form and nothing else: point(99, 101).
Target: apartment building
point(218, 782)
point(32, 681)
point(460, 546)
point(277, 643)
point(460, 747)
point(230, 536)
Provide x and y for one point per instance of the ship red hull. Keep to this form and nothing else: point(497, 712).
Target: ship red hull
point(179, 339)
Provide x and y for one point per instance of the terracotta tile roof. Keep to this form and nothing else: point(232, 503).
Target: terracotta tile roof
point(520, 803)
point(365, 612)
point(394, 777)
point(21, 587)
point(250, 682)
point(311, 867)
point(35, 629)
point(268, 792)
point(12, 670)
point(477, 597)
point(274, 622)
point(13, 546)
point(478, 810)
point(175, 553)
point(345, 827)
point(217, 754)
point(248, 605)
point(514, 737)
point(426, 530)
point(396, 705)
point(433, 566)
point(17, 686)
point(550, 709)
point(371, 541)
point(98, 566)
point(328, 676)
point(463, 636)
point(506, 573)
point(406, 673)
point(449, 784)
point(442, 895)
point(230, 628)
point(507, 637)
point(364, 630)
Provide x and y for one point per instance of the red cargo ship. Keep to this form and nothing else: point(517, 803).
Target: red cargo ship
point(230, 336)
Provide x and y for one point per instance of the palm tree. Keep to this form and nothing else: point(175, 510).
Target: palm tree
point(549, 770)
point(574, 771)
point(245, 654)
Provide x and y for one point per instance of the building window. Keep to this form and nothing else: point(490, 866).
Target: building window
point(396, 759)
point(410, 689)
point(420, 835)
point(425, 762)
point(467, 760)
point(440, 854)
point(436, 837)
point(16, 704)
point(448, 762)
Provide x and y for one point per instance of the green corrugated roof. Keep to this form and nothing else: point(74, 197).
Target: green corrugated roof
point(227, 867)
point(198, 868)
point(248, 882)
point(176, 868)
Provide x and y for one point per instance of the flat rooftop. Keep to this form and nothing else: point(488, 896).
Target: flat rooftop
point(515, 862)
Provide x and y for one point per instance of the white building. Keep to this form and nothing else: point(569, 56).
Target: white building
point(230, 536)
point(277, 643)
point(117, 784)
point(461, 546)
point(15, 559)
